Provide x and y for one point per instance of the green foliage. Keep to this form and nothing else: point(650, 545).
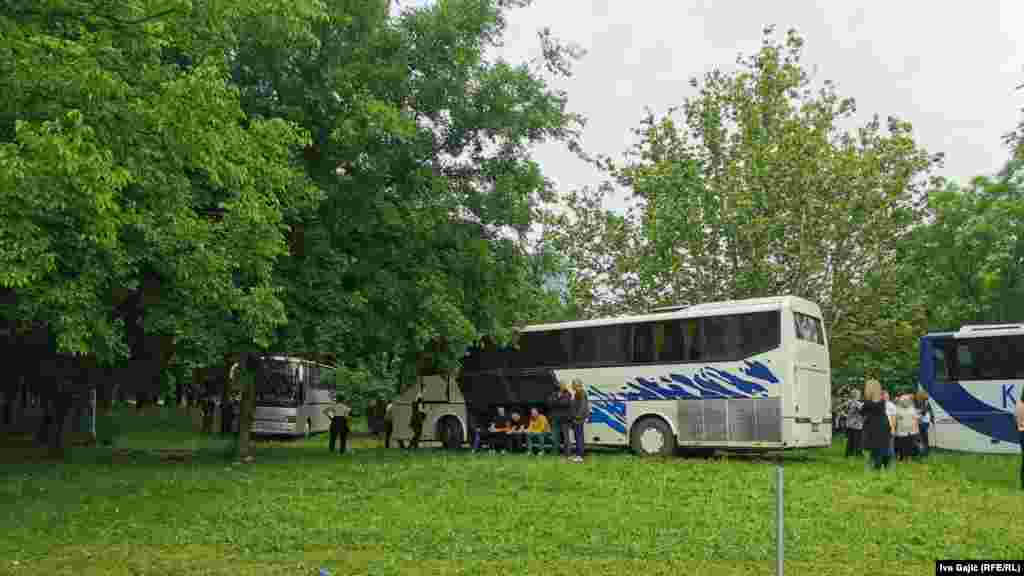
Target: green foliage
point(967, 260)
point(131, 158)
point(420, 145)
point(361, 386)
point(1015, 138)
point(751, 188)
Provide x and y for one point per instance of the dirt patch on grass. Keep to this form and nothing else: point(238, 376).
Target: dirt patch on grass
point(171, 455)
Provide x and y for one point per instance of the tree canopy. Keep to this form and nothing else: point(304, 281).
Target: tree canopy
point(190, 181)
point(754, 186)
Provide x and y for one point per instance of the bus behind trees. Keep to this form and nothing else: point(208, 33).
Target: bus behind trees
point(744, 375)
point(291, 396)
point(974, 377)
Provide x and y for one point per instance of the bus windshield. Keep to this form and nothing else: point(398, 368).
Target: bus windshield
point(278, 385)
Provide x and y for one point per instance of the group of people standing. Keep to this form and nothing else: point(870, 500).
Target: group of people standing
point(567, 408)
point(886, 428)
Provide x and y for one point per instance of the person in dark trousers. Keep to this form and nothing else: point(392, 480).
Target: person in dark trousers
point(416, 421)
point(877, 429)
point(558, 409)
point(389, 426)
point(927, 416)
point(480, 426)
point(497, 433)
point(339, 428)
point(579, 412)
point(380, 412)
point(854, 426)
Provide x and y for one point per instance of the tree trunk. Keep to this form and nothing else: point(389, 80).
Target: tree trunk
point(106, 388)
point(61, 407)
point(43, 434)
point(9, 400)
point(225, 404)
point(245, 416)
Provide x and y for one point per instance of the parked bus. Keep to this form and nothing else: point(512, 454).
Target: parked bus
point(291, 396)
point(747, 374)
point(974, 377)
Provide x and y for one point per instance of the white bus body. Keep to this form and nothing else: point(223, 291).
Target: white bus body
point(446, 421)
point(974, 377)
point(747, 374)
point(291, 397)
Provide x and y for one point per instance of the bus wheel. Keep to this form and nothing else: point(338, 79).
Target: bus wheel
point(309, 429)
point(451, 433)
point(652, 437)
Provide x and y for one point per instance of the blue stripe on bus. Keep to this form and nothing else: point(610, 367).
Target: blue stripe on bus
point(610, 407)
point(611, 413)
point(959, 403)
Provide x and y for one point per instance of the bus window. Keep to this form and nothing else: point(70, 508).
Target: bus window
point(643, 343)
point(585, 346)
point(601, 345)
point(760, 331)
point(545, 348)
point(808, 328)
point(692, 350)
point(992, 358)
point(670, 341)
point(612, 343)
point(965, 363)
point(941, 368)
point(721, 338)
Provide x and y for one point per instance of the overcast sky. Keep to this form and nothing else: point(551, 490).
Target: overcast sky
point(950, 67)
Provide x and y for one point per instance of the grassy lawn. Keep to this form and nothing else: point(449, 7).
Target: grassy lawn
point(298, 508)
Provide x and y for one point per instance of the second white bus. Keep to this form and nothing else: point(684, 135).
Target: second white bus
point(741, 375)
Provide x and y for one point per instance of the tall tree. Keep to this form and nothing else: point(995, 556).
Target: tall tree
point(420, 144)
point(970, 252)
point(752, 188)
point(139, 205)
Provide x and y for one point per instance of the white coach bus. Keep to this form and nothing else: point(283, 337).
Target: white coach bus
point(291, 396)
point(974, 377)
point(741, 375)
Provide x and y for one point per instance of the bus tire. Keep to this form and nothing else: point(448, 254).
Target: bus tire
point(651, 436)
point(309, 429)
point(451, 433)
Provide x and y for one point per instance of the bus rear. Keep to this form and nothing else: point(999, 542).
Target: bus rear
point(807, 396)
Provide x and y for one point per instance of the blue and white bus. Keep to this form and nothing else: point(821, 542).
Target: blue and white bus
point(746, 374)
point(974, 377)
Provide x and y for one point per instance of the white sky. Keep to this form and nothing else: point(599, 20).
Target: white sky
point(950, 67)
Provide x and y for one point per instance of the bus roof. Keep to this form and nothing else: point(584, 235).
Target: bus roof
point(695, 311)
point(980, 330)
point(295, 360)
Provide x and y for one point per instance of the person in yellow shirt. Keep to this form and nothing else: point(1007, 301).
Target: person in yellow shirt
point(538, 430)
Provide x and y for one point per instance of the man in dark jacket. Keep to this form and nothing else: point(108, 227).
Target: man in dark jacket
point(558, 408)
point(416, 421)
point(339, 428)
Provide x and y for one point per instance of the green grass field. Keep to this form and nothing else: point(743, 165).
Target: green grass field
point(298, 508)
